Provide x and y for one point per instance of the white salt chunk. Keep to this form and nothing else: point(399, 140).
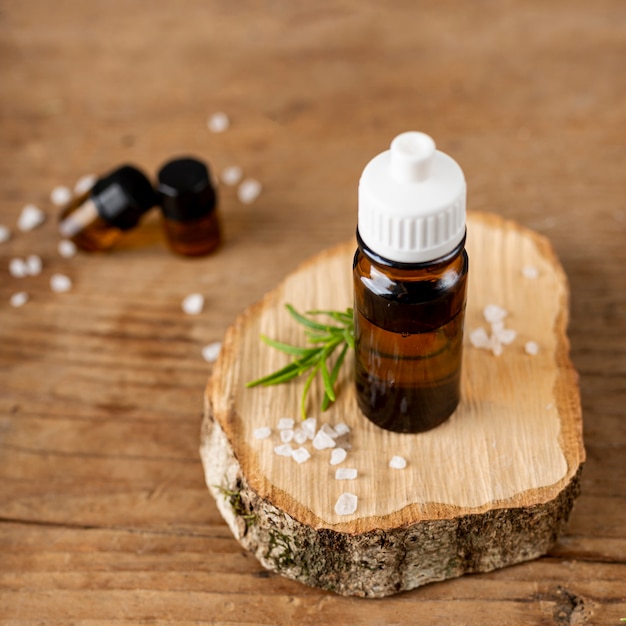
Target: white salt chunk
point(529, 271)
point(34, 264)
point(231, 175)
point(532, 348)
point(19, 299)
point(249, 190)
point(18, 268)
point(309, 426)
point(494, 313)
point(345, 473)
point(496, 348)
point(397, 462)
point(60, 196)
point(211, 351)
point(479, 338)
point(285, 423)
point(218, 122)
point(329, 430)
point(60, 283)
point(193, 303)
point(338, 455)
point(284, 450)
point(286, 435)
point(66, 248)
point(299, 436)
point(262, 433)
point(322, 441)
point(301, 455)
point(506, 336)
point(341, 429)
point(84, 184)
point(5, 233)
point(30, 217)
point(346, 504)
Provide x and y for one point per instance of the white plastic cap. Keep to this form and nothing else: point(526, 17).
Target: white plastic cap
point(412, 201)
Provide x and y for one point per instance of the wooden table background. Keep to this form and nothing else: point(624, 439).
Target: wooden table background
point(104, 516)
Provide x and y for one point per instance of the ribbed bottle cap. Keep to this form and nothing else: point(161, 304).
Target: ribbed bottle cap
point(123, 196)
point(185, 190)
point(412, 201)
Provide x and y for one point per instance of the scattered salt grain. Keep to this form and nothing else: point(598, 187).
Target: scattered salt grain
point(301, 455)
point(341, 429)
point(532, 348)
point(218, 122)
point(211, 351)
point(496, 348)
point(285, 423)
point(529, 271)
point(309, 426)
point(231, 175)
point(262, 433)
point(479, 338)
point(286, 435)
point(345, 473)
point(249, 190)
point(34, 264)
point(84, 184)
point(338, 455)
point(284, 450)
point(397, 462)
point(193, 304)
point(19, 299)
point(5, 233)
point(60, 283)
point(60, 196)
point(30, 217)
point(322, 441)
point(18, 268)
point(299, 436)
point(506, 335)
point(66, 248)
point(494, 313)
point(329, 430)
point(346, 504)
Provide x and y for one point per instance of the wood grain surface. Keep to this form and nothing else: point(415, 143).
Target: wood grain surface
point(104, 516)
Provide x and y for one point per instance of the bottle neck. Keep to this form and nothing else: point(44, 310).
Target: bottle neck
point(380, 260)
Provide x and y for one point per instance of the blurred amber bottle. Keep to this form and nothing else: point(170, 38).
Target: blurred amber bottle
point(189, 204)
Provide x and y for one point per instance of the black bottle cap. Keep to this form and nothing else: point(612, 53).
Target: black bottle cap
point(123, 196)
point(184, 190)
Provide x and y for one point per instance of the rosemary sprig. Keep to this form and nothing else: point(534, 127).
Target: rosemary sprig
point(326, 339)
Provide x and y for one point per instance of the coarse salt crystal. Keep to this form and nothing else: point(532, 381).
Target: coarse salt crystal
point(249, 190)
point(329, 430)
point(5, 233)
point(211, 351)
point(506, 336)
point(60, 283)
point(338, 455)
point(286, 435)
point(494, 313)
point(532, 348)
point(18, 268)
point(34, 264)
point(66, 248)
point(218, 122)
point(84, 184)
point(262, 433)
point(529, 271)
point(301, 455)
point(193, 304)
point(345, 473)
point(30, 217)
point(231, 175)
point(285, 423)
point(284, 450)
point(341, 429)
point(496, 348)
point(309, 426)
point(322, 441)
point(346, 504)
point(19, 299)
point(397, 462)
point(60, 196)
point(299, 436)
point(479, 338)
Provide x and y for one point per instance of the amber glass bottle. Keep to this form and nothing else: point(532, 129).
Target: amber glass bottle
point(97, 219)
point(410, 277)
point(189, 204)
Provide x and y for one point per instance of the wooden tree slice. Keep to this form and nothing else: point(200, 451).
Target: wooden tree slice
point(492, 486)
